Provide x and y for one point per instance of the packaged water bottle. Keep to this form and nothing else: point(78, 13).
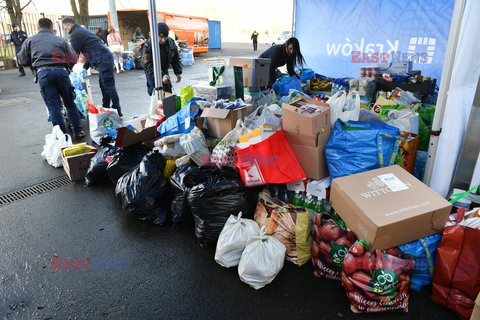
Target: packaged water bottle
point(297, 199)
point(310, 201)
point(319, 207)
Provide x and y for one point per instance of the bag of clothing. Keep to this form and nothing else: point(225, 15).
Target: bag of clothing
point(216, 193)
point(261, 260)
point(357, 146)
point(54, 142)
point(344, 106)
point(144, 192)
point(287, 223)
point(125, 159)
point(233, 239)
point(97, 171)
point(181, 122)
point(285, 83)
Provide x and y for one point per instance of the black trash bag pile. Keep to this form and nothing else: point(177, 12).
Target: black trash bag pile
point(216, 193)
point(124, 160)
point(97, 171)
point(182, 180)
point(144, 191)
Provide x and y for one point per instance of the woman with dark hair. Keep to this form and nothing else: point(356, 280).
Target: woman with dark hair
point(288, 53)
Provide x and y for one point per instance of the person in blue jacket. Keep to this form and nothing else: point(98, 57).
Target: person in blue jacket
point(17, 38)
point(97, 54)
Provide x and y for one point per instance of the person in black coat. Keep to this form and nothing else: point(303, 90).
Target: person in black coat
point(17, 38)
point(288, 53)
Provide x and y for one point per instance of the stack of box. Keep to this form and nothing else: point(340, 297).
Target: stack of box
point(307, 127)
point(256, 71)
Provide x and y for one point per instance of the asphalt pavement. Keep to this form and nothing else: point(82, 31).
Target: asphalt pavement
point(154, 272)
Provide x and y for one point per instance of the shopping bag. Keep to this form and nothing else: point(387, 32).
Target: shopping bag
point(233, 239)
point(267, 98)
point(330, 245)
point(224, 153)
point(426, 114)
point(181, 122)
point(269, 161)
point(405, 120)
point(306, 74)
point(222, 76)
point(357, 146)
point(456, 281)
point(423, 251)
point(378, 281)
point(186, 94)
point(264, 115)
point(407, 152)
point(285, 83)
point(344, 106)
point(54, 142)
point(261, 260)
point(287, 223)
point(103, 123)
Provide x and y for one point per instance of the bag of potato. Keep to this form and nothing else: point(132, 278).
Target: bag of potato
point(378, 281)
point(287, 223)
point(330, 244)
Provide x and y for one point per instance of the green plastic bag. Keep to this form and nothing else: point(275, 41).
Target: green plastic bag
point(385, 109)
point(186, 94)
point(426, 113)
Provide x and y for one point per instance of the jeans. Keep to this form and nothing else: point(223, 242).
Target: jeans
point(55, 83)
point(255, 46)
point(167, 87)
point(106, 80)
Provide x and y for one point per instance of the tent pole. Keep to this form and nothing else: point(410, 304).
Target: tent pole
point(157, 63)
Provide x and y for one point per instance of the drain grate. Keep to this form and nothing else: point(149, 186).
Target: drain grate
point(34, 190)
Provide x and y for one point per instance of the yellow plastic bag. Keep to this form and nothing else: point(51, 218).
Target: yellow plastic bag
point(186, 94)
point(79, 148)
point(169, 169)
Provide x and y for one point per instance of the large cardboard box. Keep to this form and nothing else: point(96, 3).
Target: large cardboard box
point(388, 207)
point(126, 137)
point(76, 166)
point(256, 71)
point(310, 154)
point(298, 120)
point(221, 121)
point(476, 310)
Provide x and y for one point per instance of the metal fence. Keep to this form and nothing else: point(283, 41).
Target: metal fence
point(29, 25)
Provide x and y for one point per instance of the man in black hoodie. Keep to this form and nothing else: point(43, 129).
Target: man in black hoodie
point(97, 54)
point(168, 56)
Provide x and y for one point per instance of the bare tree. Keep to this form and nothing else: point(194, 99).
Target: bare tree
point(14, 9)
point(80, 11)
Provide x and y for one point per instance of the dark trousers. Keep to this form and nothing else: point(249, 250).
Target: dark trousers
point(55, 83)
point(106, 80)
point(20, 67)
point(167, 87)
point(255, 45)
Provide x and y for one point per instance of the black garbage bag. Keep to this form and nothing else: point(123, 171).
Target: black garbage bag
point(97, 171)
point(217, 193)
point(144, 191)
point(181, 181)
point(124, 160)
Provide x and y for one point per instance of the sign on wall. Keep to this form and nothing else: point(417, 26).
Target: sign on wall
point(338, 37)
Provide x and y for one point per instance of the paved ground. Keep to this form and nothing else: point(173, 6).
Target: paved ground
point(168, 275)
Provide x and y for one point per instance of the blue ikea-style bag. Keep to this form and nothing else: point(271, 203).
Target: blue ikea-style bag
point(423, 250)
point(359, 146)
point(306, 74)
point(181, 122)
point(128, 64)
point(283, 85)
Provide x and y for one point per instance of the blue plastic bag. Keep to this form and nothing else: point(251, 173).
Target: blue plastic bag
point(359, 146)
point(128, 64)
point(181, 122)
point(423, 250)
point(283, 85)
point(306, 74)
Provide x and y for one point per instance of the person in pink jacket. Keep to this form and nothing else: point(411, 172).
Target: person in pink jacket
point(115, 44)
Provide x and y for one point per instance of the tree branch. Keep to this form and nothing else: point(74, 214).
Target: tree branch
point(30, 1)
point(74, 8)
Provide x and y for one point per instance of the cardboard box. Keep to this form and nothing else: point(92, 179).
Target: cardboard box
point(256, 71)
point(127, 137)
point(310, 154)
point(222, 121)
point(476, 309)
point(388, 207)
point(297, 121)
point(76, 166)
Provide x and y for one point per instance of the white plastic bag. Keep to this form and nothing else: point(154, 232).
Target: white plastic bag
point(224, 152)
point(169, 146)
point(344, 107)
point(261, 260)
point(195, 147)
point(233, 239)
point(54, 142)
point(405, 119)
point(267, 99)
point(263, 116)
point(103, 123)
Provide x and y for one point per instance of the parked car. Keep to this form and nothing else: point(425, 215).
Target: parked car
point(282, 37)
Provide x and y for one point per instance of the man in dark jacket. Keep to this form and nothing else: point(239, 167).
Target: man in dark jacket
point(97, 54)
point(17, 38)
point(254, 38)
point(50, 55)
point(168, 56)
